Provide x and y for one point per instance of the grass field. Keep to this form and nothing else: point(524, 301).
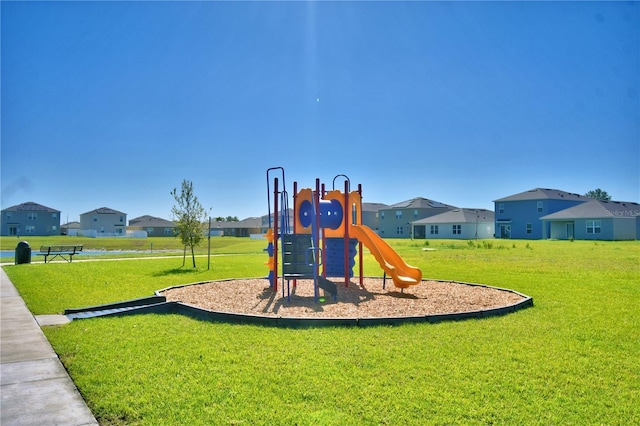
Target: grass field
point(571, 359)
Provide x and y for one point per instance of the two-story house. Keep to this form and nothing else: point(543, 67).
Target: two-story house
point(104, 222)
point(396, 220)
point(30, 219)
point(518, 216)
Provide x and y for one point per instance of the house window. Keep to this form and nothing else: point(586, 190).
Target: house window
point(593, 226)
point(398, 214)
point(121, 219)
point(457, 229)
point(30, 229)
point(95, 218)
point(528, 228)
point(501, 208)
point(399, 230)
point(168, 231)
point(54, 216)
point(54, 228)
point(381, 215)
point(415, 214)
point(434, 230)
point(32, 216)
point(8, 215)
point(539, 205)
point(150, 231)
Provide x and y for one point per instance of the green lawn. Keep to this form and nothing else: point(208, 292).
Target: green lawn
point(571, 359)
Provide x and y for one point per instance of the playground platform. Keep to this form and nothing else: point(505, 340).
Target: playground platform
point(35, 387)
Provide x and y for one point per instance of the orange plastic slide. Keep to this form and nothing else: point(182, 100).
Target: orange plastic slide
point(403, 275)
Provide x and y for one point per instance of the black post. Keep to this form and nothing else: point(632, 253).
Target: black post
point(209, 248)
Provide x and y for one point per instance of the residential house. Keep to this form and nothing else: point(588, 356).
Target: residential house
point(241, 228)
point(153, 226)
point(395, 220)
point(371, 215)
point(595, 220)
point(266, 222)
point(103, 222)
point(462, 223)
point(70, 228)
point(30, 219)
point(518, 216)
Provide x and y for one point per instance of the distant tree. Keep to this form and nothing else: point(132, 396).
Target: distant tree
point(598, 194)
point(190, 217)
point(219, 219)
point(232, 219)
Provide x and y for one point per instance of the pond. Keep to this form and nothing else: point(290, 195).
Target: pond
point(6, 254)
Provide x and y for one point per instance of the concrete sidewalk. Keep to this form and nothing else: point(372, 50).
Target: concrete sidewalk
point(35, 387)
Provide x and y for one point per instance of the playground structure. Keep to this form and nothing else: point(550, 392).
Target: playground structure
point(327, 232)
point(321, 241)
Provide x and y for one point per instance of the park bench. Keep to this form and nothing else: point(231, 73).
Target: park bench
point(61, 251)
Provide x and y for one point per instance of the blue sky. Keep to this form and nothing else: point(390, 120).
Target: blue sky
point(115, 103)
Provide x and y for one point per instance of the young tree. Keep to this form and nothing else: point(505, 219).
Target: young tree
point(190, 218)
point(598, 194)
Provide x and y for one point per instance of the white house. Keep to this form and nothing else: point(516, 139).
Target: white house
point(463, 223)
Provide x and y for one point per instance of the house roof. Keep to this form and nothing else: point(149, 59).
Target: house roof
point(103, 210)
point(147, 221)
point(373, 207)
point(30, 206)
point(420, 203)
point(544, 194)
point(597, 209)
point(459, 216)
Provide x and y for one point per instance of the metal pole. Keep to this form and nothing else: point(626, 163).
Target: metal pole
point(347, 218)
point(209, 248)
point(275, 237)
point(359, 221)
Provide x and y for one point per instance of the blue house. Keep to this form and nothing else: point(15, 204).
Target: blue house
point(30, 219)
point(596, 220)
point(518, 216)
